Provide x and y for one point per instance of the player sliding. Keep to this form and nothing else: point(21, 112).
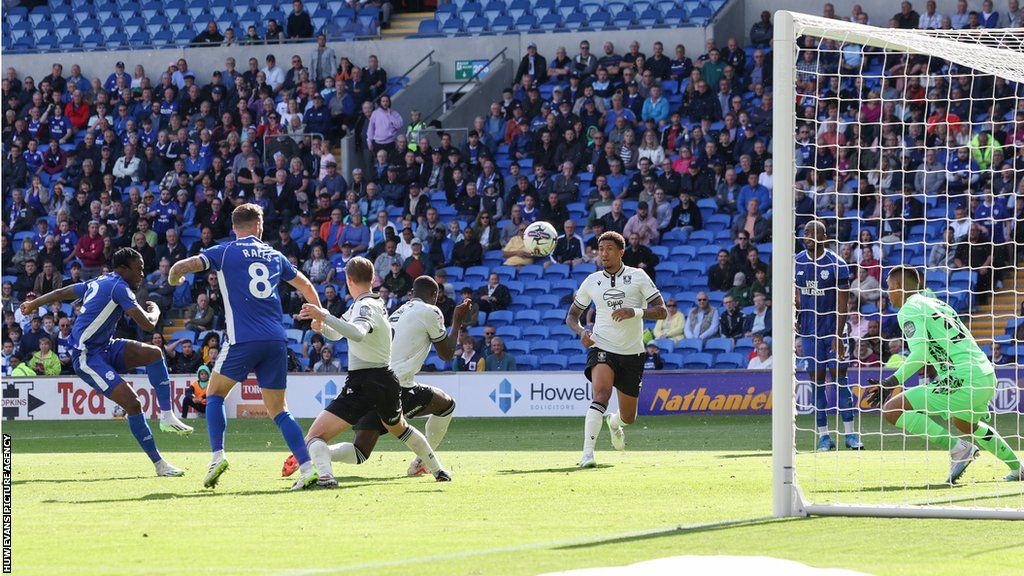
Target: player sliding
point(249, 272)
point(822, 304)
point(964, 383)
point(99, 358)
point(370, 384)
point(624, 297)
point(416, 324)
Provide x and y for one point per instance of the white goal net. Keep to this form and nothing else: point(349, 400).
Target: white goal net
point(907, 146)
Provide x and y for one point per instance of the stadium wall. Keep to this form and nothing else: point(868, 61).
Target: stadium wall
point(488, 394)
point(396, 56)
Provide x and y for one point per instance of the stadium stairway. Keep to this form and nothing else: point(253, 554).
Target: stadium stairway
point(405, 24)
point(989, 322)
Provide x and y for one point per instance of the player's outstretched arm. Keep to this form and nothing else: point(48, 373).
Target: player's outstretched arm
point(354, 331)
point(146, 319)
point(446, 348)
point(182, 268)
point(305, 287)
point(65, 294)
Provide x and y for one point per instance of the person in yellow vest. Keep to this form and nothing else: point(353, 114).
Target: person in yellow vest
point(412, 132)
point(195, 394)
point(45, 361)
point(20, 369)
point(515, 250)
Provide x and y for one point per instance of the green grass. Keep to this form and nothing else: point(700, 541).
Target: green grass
point(85, 501)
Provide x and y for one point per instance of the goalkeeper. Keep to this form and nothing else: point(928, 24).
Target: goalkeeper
point(960, 392)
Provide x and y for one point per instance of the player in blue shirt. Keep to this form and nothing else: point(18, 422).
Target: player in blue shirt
point(249, 271)
point(99, 358)
point(822, 304)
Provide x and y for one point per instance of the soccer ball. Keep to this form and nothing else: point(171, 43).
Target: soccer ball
point(540, 239)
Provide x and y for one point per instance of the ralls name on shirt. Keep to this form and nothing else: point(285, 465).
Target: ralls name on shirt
point(261, 253)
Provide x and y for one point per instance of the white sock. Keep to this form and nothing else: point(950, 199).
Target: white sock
point(218, 455)
point(592, 426)
point(347, 453)
point(320, 455)
point(437, 427)
point(306, 467)
point(822, 430)
point(417, 442)
point(617, 422)
point(849, 428)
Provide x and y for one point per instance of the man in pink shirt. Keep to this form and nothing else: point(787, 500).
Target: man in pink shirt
point(384, 125)
point(90, 251)
point(642, 224)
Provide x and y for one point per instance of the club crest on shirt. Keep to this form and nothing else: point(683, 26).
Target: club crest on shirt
point(824, 274)
point(628, 279)
point(908, 329)
point(602, 356)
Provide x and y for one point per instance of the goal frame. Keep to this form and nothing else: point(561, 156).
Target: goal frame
point(787, 498)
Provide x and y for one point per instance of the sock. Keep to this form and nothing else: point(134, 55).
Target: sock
point(216, 421)
point(293, 436)
point(617, 421)
point(845, 401)
point(992, 442)
point(140, 429)
point(820, 405)
point(822, 430)
point(160, 380)
point(417, 442)
point(437, 427)
point(919, 424)
point(592, 426)
point(848, 427)
point(347, 453)
point(321, 456)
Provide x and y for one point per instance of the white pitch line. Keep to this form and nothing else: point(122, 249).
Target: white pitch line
point(64, 437)
point(532, 546)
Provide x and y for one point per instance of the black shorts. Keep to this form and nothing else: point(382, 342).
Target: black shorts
point(414, 401)
point(628, 369)
point(369, 390)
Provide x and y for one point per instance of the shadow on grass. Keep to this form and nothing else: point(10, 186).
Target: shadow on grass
point(746, 455)
point(683, 530)
point(565, 470)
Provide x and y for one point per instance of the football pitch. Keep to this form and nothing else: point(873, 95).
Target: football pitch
point(85, 501)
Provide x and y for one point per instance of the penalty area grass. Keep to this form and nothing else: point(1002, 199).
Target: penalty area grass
point(85, 501)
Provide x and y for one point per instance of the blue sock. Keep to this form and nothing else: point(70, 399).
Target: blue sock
point(160, 380)
point(140, 429)
point(216, 421)
point(845, 399)
point(820, 404)
point(292, 433)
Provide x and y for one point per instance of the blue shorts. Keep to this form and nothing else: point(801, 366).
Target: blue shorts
point(267, 358)
point(820, 357)
point(101, 368)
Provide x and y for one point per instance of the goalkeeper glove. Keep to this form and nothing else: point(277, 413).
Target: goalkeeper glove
point(879, 392)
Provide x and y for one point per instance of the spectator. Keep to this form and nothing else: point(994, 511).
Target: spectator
point(740, 291)
point(208, 37)
point(702, 321)
point(652, 358)
point(200, 315)
point(865, 289)
point(988, 17)
point(48, 280)
point(494, 296)
point(638, 255)
point(897, 356)
point(396, 280)
point(762, 31)
point(643, 224)
point(188, 360)
point(931, 19)
point(499, 360)
point(759, 321)
point(721, 274)
point(418, 264)
point(997, 356)
point(514, 251)
point(468, 359)
point(299, 24)
point(195, 394)
point(384, 125)
point(753, 222)
point(468, 252)
point(672, 325)
point(532, 64)
point(90, 251)
point(327, 364)
point(763, 358)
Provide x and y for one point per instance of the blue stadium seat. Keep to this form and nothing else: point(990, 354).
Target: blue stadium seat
point(477, 24)
point(538, 287)
point(93, 41)
point(550, 22)
point(552, 362)
point(666, 345)
point(697, 361)
point(577, 362)
point(649, 17)
point(500, 318)
point(689, 345)
point(293, 334)
point(545, 302)
point(535, 332)
point(531, 316)
point(556, 271)
point(531, 272)
point(574, 20)
point(525, 23)
point(701, 237)
point(453, 25)
point(184, 334)
point(544, 346)
point(730, 360)
point(683, 252)
point(503, 23)
point(718, 345)
point(600, 21)
point(553, 316)
point(672, 361)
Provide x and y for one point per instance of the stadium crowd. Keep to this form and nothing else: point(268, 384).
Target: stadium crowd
point(658, 146)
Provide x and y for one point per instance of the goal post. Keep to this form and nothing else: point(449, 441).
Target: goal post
point(898, 475)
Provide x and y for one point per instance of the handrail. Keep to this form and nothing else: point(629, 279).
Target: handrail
point(429, 56)
point(431, 116)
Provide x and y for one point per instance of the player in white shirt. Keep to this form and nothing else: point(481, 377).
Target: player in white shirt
point(624, 297)
point(370, 384)
point(417, 324)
